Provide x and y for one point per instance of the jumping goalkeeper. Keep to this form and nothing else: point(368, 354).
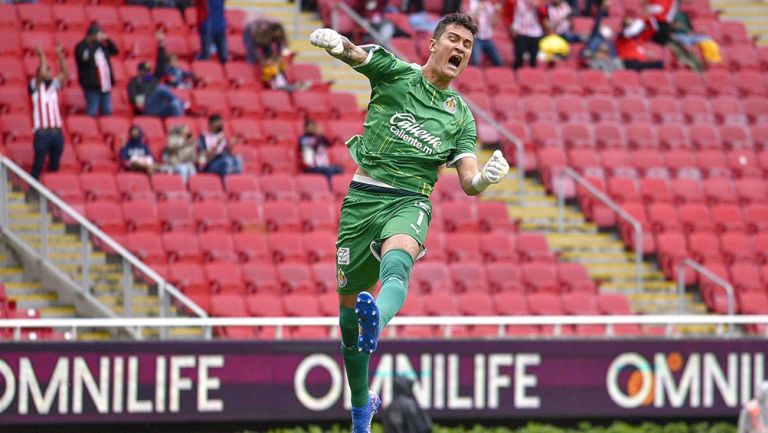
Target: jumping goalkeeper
point(415, 124)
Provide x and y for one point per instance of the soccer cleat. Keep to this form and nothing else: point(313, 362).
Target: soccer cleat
point(368, 319)
point(362, 416)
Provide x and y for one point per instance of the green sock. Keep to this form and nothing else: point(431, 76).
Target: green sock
point(355, 362)
point(395, 272)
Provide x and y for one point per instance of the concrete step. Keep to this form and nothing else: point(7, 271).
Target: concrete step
point(33, 226)
point(58, 311)
point(94, 336)
point(597, 256)
point(75, 257)
point(658, 286)
point(34, 300)
point(584, 242)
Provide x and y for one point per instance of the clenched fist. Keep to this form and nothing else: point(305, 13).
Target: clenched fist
point(329, 39)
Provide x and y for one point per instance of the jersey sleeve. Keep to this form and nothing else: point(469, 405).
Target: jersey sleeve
point(466, 140)
point(381, 65)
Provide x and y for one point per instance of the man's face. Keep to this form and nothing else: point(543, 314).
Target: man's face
point(216, 126)
point(173, 60)
point(452, 50)
point(45, 74)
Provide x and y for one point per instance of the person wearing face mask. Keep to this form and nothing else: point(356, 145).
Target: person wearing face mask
point(754, 416)
point(215, 151)
point(135, 154)
point(94, 70)
point(48, 140)
point(148, 96)
point(180, 153)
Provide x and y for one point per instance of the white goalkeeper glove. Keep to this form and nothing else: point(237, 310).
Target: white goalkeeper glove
point(493, 172)
point(329, 39)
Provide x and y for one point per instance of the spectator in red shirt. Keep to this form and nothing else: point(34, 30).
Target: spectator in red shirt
point(629, 44)
point(313, 148)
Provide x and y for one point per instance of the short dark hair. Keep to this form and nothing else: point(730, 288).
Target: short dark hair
point(214, 117)
point(455, 18)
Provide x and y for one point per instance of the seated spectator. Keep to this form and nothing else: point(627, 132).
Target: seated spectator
point(486, 14)
point(264, 39)
point(147, 95)
point(180, 152)
point(313, 146)
point(273, 76)
point(557, 17)
point(177, 77)
point(662, 14)
point(600, 51)
point(135, 154)
point(629, 45)
point(215, 151)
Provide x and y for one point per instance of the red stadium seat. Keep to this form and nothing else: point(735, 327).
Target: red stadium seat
point(320, 247)
point(261, 278)
point(297, 279)
point(225, 277)
point(217, 247)
point(182, 248)
point(497, 247)
point(206, 187)
point(504, 278)
point(243, 187)
point(169, 187)
point(190, 278)
point(36, 17)
point(136, 19)
point(541, 277)
point(312, 104)
point(210, 216)
point(287, 247)
point(246, 216)
point(252, 248)
point(210, 101)
point(431, 277)
point(264, 305)
point(99, 186)
point(317, 216)
point(468, 277)
point(736, 248)
point(107, 216)
point(141, 216)
point(175, 216)
point(574, 278)
point(282, 216)
point(278, 104)
point(147, 247)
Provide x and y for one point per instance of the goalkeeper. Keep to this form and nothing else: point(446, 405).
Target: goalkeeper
point(415, 124)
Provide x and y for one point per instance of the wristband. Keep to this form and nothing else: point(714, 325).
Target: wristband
point(479, 183)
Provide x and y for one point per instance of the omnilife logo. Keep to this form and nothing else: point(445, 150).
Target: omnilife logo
point(405, 127)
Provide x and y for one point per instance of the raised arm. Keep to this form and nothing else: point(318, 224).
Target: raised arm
point(63, 73)
point(338, 46)
point(474, 181)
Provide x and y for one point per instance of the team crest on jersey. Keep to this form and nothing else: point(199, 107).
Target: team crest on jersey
point(341, 279)
point(450, 105)
point(342, 256)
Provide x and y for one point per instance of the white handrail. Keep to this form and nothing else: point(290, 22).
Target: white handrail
point(702, 270)
point(612, 205)
point(103, 237)
point(519, 146)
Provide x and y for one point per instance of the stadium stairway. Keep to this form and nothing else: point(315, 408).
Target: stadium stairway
point(754, 14)
point(344, 79)
point(65, 252)
point(602, 253)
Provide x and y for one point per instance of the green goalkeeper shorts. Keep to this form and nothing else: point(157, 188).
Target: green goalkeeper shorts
point(369, 215)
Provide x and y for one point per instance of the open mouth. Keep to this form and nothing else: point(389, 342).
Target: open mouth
point(455, 60)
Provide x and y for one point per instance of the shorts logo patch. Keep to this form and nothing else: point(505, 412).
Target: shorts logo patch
point(416, 229)
point(342, 256)
point(341, 279)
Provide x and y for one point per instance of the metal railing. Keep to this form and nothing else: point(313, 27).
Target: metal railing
point(85, 279)
point(613, 206)
point(703, 271)
point(485, 116)
point(557, 322)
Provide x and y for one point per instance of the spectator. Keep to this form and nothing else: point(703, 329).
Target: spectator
point(412, 6)
point(135, 154)
point(404, 415)
point(177, 77)
point(273, 76)
point(450, 6)
point(215, 152)
point(48, 141)
point(94, 70)
point(662, 15)
point(257, 38)
point(373, 11)
point(754, 416)
point(522, 19)
point(600, 50)
point(212, 29)
point(485, 14)
point(147, 95)
point(557, 19)
point(180, 152)
point(629, 45)
point(313, 146)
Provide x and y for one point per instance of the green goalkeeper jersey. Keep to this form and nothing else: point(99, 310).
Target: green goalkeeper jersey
point(412, 126)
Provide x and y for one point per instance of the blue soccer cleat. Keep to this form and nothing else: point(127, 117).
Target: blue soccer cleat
point(362, 416)
point(368, 319)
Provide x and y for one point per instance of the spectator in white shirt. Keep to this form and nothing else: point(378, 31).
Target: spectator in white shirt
point(485, 14)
